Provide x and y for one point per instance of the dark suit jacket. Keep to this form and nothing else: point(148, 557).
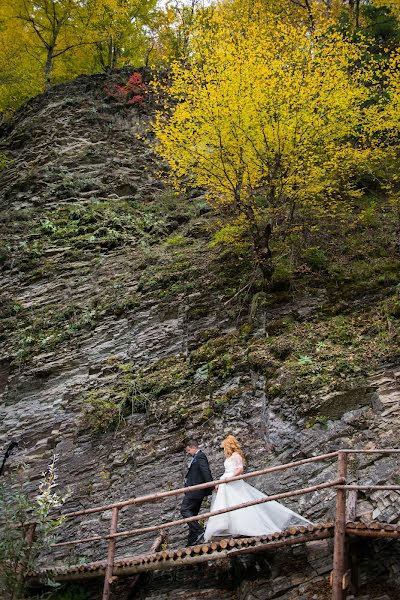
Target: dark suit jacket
point(198, 472)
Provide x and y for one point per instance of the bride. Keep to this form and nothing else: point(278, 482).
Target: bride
point(260, 519)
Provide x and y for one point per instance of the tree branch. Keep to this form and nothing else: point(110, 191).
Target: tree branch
point(72, 46)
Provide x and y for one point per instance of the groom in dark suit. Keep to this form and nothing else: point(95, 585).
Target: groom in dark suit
point(198, 472)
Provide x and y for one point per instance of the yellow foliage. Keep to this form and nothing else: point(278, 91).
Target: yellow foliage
point(231, 234)
point(265, 114)
point(117, 28)
point(49, 41)
point(393, 5)
point(20, 75)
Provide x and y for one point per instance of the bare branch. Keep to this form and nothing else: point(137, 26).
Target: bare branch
point(72, 46)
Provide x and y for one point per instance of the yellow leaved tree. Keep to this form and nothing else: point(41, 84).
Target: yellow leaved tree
point(380, 139)
point(20, 74)
point(265, 117)
point(119, 30)
point(55, 27)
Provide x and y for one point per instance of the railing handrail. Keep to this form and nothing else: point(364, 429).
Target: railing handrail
point(130, 533)
point(369, 451)
point(200, 486)
point(175, 492)
point(370, 487)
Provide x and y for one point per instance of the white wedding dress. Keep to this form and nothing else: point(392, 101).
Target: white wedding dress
point(257, 520)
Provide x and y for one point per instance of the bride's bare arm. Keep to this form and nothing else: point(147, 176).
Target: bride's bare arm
point(238, 464)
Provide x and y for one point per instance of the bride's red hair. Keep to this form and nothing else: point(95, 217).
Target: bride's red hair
point(231, 445)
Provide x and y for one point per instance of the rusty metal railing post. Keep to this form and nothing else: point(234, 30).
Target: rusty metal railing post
point(110, 555)
point(339, 551)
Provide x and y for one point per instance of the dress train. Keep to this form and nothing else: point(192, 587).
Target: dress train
point(261, 519)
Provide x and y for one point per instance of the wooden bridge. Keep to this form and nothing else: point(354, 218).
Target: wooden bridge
point(156, 559)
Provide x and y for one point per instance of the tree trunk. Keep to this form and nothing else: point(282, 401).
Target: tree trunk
point(116, 54)
point(110, 55)
point(99, 47)
point(261, 238)
point(354, 6)
point(310, 15)
point(49, 65)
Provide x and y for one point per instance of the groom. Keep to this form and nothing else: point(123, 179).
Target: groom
point(198, 472)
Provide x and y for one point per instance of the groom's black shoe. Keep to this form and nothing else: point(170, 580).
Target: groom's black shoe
point(199, 539)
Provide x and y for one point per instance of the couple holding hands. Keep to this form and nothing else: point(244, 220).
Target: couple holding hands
point(261, 519)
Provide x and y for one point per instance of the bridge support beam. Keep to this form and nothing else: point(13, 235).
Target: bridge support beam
point(111, 554)
point(339, 552)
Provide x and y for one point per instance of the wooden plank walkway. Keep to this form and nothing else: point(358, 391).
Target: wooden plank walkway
point(214, 550)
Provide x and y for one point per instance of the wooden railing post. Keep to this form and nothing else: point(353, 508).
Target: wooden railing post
point(110, 555)
point(339, 551)
point(351, 506)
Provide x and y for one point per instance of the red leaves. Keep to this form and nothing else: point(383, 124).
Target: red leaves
point(115, 91)
point(136, 99)
point(133, 92)
point(135, 80)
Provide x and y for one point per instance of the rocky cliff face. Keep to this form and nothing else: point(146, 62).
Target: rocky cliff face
point(123, 333)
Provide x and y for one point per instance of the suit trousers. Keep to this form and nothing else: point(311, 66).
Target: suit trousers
point(189, 508)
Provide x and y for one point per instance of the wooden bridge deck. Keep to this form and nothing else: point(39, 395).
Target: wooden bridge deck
point(214, 550)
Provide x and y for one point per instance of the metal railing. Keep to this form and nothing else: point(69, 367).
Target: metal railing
point(339, 483)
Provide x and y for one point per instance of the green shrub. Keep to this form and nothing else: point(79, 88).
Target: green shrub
point(277, 326)
point(394, 309)
point(177, 240)
point(280, 348)
point(393, 306)
point(9, 308)
point(19, 549)
point(316, 258)
point(304, 360)
point(4, 160)
point(207, 413)
point(274, 390)
point(5, 253)
point(105, 409)
point(318, 420)
point(282, 278)
point(100, 412)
